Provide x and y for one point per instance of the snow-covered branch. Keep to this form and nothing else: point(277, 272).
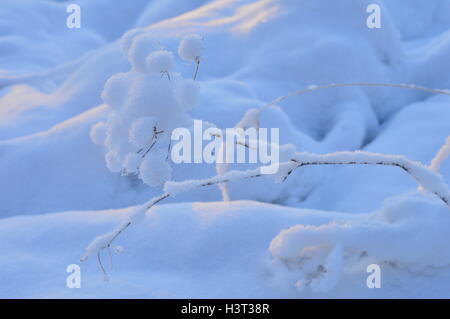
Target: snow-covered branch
point(425, 177)
point(442, 154)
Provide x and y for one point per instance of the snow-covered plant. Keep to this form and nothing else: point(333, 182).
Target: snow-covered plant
point(144, 106)
point(429, 180)
point(148, 102)
point(410, 231)
point(190, 49)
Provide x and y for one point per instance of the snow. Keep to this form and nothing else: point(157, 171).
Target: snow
point(250, 119)
point(160, 61)
point(77, 105)
point(192, 245)
point(187, 93)
point(98, 133)
point(155, 170)
point(411, 226)
point(191, 47)
point(132, 162)
point(145, 105)
point(441, 156)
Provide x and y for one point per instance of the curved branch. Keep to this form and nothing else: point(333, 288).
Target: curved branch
point(356, 84)
point(442, 154)
point(425, 177)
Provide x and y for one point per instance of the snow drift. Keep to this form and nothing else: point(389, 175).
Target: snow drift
point(75, 106)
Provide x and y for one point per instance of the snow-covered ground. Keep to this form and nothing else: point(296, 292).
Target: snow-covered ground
point(64, 141)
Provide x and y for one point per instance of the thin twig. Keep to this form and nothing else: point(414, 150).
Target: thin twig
point(150, 148)
point(168, 150)
point(361, 84)
point(197, 62)
point(154, 139)
point(105, 275)
point(110, 257)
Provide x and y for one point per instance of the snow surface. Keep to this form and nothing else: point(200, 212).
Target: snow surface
point(72, 102)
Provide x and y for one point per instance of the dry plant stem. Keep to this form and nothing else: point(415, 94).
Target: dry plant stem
point(110, 258)
point(168, 150)
point(154, 140)
point(197, 62)
point(105, 275)
point(356, 84)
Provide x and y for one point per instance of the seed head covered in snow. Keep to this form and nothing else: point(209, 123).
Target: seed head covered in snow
point(191, 47)
point(141, 46)
point(160, 61)
point(141, 131)
point(112, 162)
point(155, 170)
point(98, 133)
point(132, 162)
point(408, 230)
point(127, 39)
point(144, 107)
point(115, 91)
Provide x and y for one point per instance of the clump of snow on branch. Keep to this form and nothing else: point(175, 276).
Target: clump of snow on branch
point(191, 47)
point(251, 118)
point(410, 231)
point(132, 162)
point(100, 242)
point(144, 106)
point(154, 169)
point(98, 133)
point(160, 62)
